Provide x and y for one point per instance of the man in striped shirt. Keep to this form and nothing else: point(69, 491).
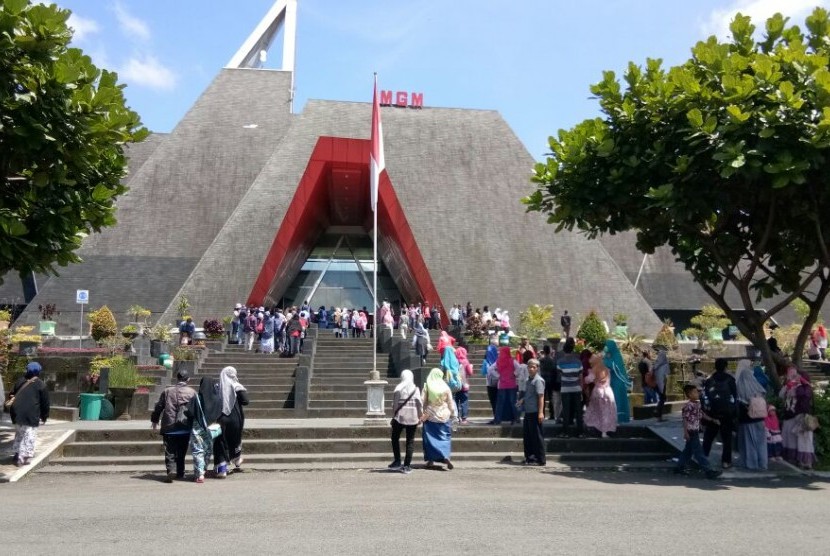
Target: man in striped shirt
point(569, 368)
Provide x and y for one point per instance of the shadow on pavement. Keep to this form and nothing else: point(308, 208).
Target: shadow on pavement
point(695, 480)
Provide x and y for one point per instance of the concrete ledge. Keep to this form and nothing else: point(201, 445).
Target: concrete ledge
point(63, 413)
point(41, 458)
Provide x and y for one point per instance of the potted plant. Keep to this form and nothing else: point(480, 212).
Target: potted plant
point(184, 359)
point(621, 325)
point(47, 323)
point(124, 378)
point(103, 324)
point(214, 330)
point(181, 309)
point(27, 342)
point(709, 325)
point(666, 337)
point(159, 339)
point(5, 319)
point(226, 323)
point(130, 332)
point(554, 340)
point(139, 315)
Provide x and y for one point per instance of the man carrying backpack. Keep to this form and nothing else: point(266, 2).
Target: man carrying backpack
point(720, 394)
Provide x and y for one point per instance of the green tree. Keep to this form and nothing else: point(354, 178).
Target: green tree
point(63, 126)
point(103, 324)
point(723, 159)
point(593, 332)
point(536, 321)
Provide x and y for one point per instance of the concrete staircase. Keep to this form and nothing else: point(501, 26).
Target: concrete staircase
point(269, 380)
point(342, 364)
point(344, 447)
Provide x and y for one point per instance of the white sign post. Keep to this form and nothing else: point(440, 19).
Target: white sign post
point(81, 298)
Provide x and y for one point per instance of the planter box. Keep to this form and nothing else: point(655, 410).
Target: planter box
point(189, 366)
point(28, 348)
point(621, 330)
point(157, 347)
point(47, 327)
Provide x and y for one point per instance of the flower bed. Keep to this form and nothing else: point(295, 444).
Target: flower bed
point(70, 351)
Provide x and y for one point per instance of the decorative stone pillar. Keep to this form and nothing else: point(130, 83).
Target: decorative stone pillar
point(375, 400)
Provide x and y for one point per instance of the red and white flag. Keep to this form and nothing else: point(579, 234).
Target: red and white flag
point(376, 161)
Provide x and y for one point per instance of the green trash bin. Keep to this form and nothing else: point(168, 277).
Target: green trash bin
point(91, 407)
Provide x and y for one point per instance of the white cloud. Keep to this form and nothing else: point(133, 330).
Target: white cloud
point(131, 25)
point(148, 71)
point(83, 27)
point(759, 10)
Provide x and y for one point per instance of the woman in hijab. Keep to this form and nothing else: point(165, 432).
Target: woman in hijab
point(407, 409)
point(444, 340)
point(204, 410)
point(228, 447)
point(420, 341)
point(507, 368)
point(620, 381)
point(752, 437)
point(601, 413)
point(797, 394)
point(439, 410)
point(462, 398)
point(29, 409)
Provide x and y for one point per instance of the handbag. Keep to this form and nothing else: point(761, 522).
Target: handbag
point(7, 405)
point(757, 408)
point(810, 423)
point(214, 429)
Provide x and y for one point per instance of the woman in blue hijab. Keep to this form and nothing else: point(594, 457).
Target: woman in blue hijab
point(620, 382)
point(489, 358)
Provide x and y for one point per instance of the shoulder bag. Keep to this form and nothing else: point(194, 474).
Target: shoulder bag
point(7, 405)
point(406, 401)
point(215, 429)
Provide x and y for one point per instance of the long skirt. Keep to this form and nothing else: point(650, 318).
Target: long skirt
point(228, 447)
point(267, 345)
point(506, 405)
point(798, 445)
point(601, 413)
point(25, 439)
point(437, 439)
point(752, 444)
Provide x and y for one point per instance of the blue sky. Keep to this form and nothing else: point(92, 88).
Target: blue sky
point(532, 60)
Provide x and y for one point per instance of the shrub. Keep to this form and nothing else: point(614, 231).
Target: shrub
point(160, 332)
point(139, 313)
point(5, 316)
point(129, 330)
point(821, 408)
point(213, 329)
point(536, 321)
point(124, 374)
point(592, 331)
point(103, 324)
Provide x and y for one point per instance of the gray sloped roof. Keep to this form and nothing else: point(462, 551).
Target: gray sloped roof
point(459, 175)
point(180, 197)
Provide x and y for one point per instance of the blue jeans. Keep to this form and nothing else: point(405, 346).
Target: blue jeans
point(462, 403)
point(506, 405)
point(649, 395)
point(693, 450)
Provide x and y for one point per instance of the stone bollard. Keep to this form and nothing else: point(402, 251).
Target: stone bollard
point(375, 400)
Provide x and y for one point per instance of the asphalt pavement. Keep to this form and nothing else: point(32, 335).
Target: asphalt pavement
point(514, 510)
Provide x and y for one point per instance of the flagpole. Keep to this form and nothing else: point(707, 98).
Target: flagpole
point(375, 267)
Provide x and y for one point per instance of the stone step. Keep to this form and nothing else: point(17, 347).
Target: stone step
point(608, 448)
point(278, 432)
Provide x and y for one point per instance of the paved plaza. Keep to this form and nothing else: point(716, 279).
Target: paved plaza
point(509, 511)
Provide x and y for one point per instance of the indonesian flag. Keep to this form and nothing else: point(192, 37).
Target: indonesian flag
point(376, 162)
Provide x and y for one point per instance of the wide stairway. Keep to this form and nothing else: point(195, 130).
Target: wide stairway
point(269, 380)
point(341, 365)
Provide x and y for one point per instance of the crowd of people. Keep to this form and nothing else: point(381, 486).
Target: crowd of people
point(270, 330)
point(209, 422)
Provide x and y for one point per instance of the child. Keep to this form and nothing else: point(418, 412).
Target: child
point(692, 415)
point(775, 446)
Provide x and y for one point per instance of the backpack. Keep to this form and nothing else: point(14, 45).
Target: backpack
point(757, 408)
point(719, 400)
point(454, 381)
